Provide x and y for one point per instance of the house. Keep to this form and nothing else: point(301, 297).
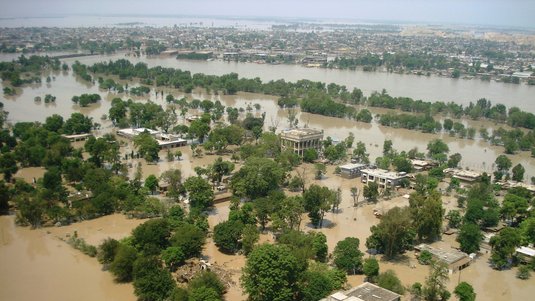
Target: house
point(301, 139)
point(382, 177)
point(164, 140)
point(420, 165)
point(456, 260)
point(525, 254)
point(77, 137)
point(352, 170)
point(364, 292)
point(463, 175)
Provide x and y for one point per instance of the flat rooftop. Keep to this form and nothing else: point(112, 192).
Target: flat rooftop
point(448, 256)
point(302, 132)
point(371, 292)
point(526, 251)
point(384, 173)
point(352, 166)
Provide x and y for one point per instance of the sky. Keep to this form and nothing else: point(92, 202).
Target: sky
point(517, 13)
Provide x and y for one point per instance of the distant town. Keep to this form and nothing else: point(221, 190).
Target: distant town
point(487, 54)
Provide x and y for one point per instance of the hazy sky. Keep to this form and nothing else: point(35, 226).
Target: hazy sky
point(487, 12)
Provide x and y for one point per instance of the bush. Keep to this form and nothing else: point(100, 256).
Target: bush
point(523, 272)
point(80, 244)
point(207, 279)
point(425, 257)
point(107, 251)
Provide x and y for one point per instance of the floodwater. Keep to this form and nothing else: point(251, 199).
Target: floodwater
point(37, 265)
point(38, 259)
point(477, 154)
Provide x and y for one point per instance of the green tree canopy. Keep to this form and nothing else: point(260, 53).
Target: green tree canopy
point(271, 273)
point(347, 255)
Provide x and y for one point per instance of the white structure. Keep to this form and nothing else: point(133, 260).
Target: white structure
point(364, 292)
point(351, 170)
point(525, 254)
point(164, 140)
point(382, 177)
point(300, 140)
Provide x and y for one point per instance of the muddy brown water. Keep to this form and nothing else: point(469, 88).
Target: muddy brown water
point(38, 259)
point(37, 265)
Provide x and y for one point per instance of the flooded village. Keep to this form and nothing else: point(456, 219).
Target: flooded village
point(187, 176)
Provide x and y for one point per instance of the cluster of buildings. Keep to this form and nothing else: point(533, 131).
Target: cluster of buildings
point(308, 44)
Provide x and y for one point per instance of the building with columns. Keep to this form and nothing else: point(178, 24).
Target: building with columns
point(301, 139)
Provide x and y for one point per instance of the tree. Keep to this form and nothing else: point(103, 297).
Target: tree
point(435, 284)
point(200, 193)
point(319, 246)
point(147, 147)
point(465, 292)
point(454, 219)
point(454, 160)
point(437, 150)
point(317, 201)
point(347, 255)
point(203, 293)
point(370, 269)
point(360, 153)
point(256, 178)
point(8, 165)
point(309, 155)
point(189, 238)
point(390, 281)
point(107, 251)
point(289, 214)
point(527, 228)
point(227, 235)
point(371, 191)
point(5, 196)
point(210, 280)
point(173, 257)
point(53, 123)
point(503, 246)
point(152, 236)
point(151, 281)
point(427, 214)
point(151, 183)
point(518, 172)
point(394, 234)
point(250, 237)
point(320, 170)
point(123, 263)
point(31, 209)
point(219, 169)
point(387, 148)
point(199, 129)
point(355, 195)
point(173, 177)
point(271, 273)
point(319, 281)
point(469, 238)
point(503, 163)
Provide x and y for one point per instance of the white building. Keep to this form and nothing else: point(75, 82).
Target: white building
point(382, 177)
point(164, 140)
point(300, 140)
